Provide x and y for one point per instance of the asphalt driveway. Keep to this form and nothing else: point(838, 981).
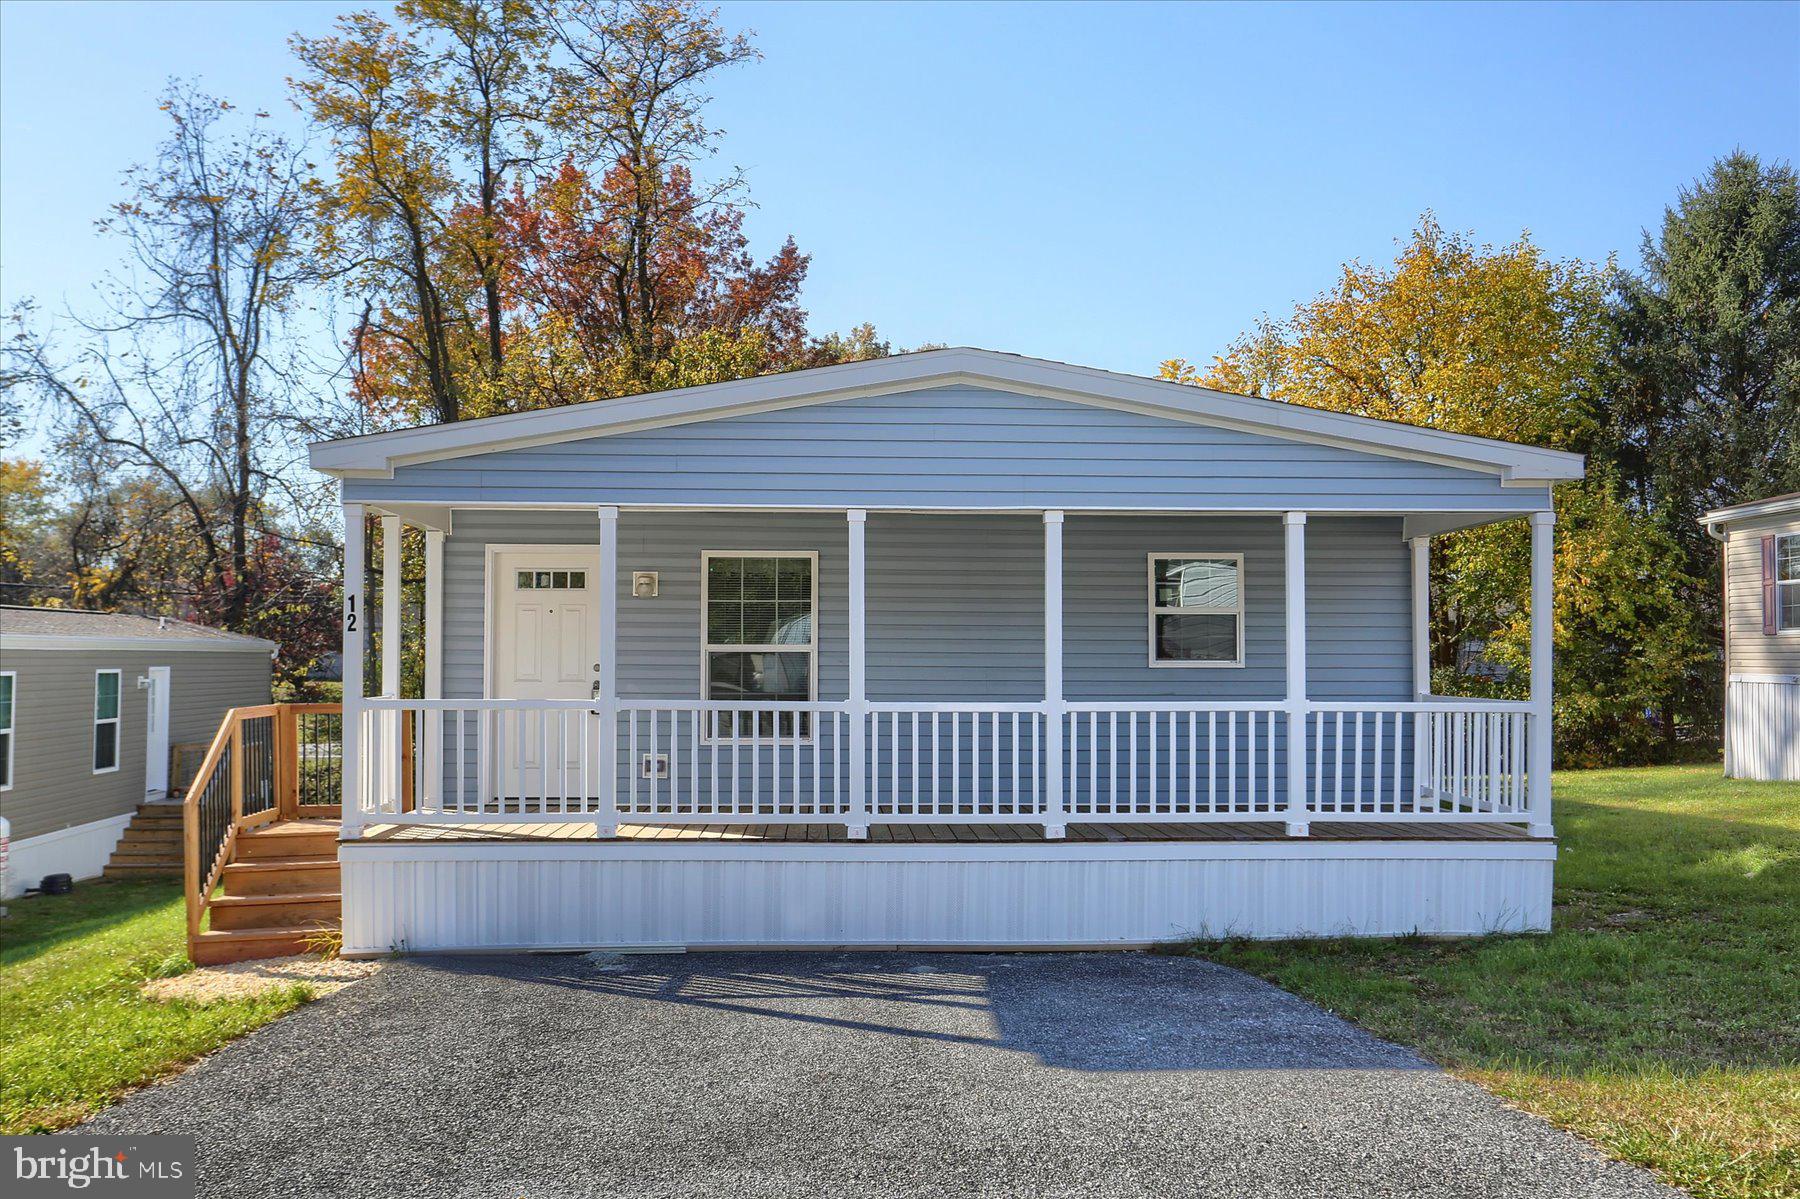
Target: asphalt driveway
point(843, 1074)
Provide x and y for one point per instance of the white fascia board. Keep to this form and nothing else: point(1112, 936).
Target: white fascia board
point(376, 455)
point(51, 641)
point(1756, 509)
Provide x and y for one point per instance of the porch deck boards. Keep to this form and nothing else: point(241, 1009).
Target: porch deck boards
point(944, 834)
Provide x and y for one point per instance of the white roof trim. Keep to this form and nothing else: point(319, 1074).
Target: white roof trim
point(375, 455)
point(174, 645)
point(1773, 506)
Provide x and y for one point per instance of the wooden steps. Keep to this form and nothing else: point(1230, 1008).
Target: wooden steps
point(217, 948)
point(151, 844)
point(279, 894)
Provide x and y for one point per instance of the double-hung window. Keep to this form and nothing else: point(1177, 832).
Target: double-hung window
point(9, 691)
point(1787, 583)
point(760, 639)
point(1196, 609)
point(106, 721)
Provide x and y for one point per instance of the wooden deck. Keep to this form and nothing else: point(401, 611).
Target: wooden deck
point(946, 834)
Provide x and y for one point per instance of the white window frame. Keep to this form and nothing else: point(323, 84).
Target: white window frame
point(116, 720)
point(708, 648)
point(1154, 611)
point(10, 758)
point(1784, 630)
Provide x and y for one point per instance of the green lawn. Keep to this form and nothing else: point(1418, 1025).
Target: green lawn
point(75, 1033)
point(1661, 1017)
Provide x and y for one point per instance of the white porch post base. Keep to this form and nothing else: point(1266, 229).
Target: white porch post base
point(606, 832)
point(857, 832)
point(1298, 828)
point(1055, 832)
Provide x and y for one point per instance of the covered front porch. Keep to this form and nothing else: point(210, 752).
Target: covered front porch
point(955, 670)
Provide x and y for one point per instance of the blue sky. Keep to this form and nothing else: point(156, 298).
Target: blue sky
point(1109, 185)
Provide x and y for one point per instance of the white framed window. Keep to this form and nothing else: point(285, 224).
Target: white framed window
point(1787, 583)
point(106, 721)
point(550, 580)
point(1196, 609)
point(759, 638)
point(9, 698)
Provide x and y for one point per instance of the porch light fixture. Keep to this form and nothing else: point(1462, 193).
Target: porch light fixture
point(643, 584)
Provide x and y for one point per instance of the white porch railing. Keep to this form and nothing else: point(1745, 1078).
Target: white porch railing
point(1175, 761)
point(1443, 759)
point(951, 763)
point(702, 762)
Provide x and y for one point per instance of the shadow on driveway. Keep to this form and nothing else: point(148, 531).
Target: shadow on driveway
point(1078, 1011)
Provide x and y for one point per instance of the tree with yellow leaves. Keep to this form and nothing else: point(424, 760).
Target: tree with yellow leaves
point(1505, 343)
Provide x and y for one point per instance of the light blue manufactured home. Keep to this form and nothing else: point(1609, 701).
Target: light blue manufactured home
point(953, 648)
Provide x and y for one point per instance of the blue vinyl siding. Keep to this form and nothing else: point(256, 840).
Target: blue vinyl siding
point(951, 447)
point(955, 609)
point(955, 603)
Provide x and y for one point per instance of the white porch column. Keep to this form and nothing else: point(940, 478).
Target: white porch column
point(1537, 767)
point(1055, 801)
point(390, 607)
point(606, 686)
point(431, 723)
point(388, 743)
point(856, 521)
point(1293, 528)
point(355, 620)
point(1421, 616)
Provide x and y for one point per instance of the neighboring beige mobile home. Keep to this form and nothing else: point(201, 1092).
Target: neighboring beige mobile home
point(90, 704)
point(1762, 636)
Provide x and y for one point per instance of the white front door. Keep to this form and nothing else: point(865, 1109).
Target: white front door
point(156, 732)
point(545, 647)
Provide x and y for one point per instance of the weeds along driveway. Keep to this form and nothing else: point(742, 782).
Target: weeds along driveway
point(852, 1074)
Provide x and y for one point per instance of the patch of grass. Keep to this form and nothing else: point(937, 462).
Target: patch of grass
point(75, 1031)
point(1661, 1017)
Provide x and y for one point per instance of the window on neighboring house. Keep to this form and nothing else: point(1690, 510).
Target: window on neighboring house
point(1787, 583)
point(1196, 609)
point(9, 690)
point(760, 639)
point(106, 721)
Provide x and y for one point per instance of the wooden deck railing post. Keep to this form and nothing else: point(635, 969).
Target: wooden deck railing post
point(237, 769)
point(287, 761)
point(190, 857)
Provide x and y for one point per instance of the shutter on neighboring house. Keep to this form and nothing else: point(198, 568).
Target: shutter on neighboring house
point(1771, 615)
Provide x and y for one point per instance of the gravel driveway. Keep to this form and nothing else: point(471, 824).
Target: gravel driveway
point(843, 1074)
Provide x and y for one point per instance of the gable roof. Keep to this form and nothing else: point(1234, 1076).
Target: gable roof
point(78, 628)
point(376, 455)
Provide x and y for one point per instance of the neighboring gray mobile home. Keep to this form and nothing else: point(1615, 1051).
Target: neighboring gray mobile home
point(90, 704)
point(1761, 546)
point(953, 648)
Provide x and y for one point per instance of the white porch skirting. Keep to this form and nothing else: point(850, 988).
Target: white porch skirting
point(80, 851)
point(589, 895)
point(1762, 726)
